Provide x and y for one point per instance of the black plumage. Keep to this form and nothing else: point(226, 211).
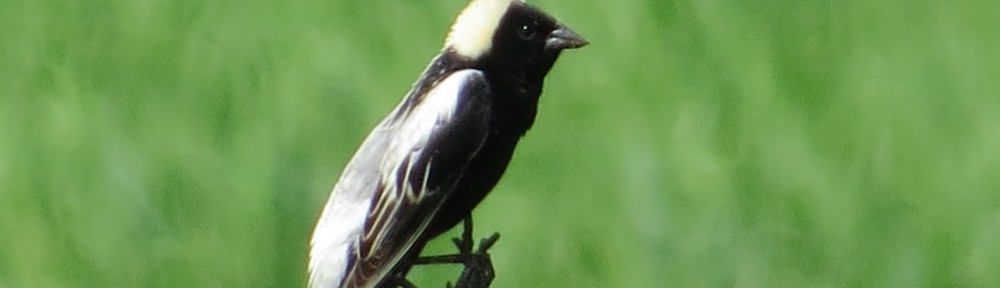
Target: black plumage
point(443, 148)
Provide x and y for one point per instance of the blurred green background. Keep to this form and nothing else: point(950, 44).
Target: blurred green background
point(714, 143)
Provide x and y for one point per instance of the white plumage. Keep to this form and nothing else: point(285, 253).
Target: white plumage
point(442, 149)
point(397, 140)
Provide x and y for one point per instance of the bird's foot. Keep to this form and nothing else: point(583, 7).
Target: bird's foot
point(478, 270)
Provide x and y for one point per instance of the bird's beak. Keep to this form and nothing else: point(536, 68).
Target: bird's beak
point(564, 38)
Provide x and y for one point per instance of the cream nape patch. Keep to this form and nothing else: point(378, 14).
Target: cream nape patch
point(472, 34)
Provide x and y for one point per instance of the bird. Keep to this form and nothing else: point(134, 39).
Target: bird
point(442, 149)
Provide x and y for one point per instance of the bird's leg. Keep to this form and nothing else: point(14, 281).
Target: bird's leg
point(464, 244)
point(478, 271)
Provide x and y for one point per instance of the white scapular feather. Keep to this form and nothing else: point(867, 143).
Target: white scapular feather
point(472, 34)
point(379, 158)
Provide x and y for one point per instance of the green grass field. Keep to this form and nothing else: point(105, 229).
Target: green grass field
point(708, 143)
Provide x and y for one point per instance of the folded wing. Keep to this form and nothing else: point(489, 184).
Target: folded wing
point(411, 163)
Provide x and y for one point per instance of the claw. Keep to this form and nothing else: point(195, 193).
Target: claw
point(478, 268)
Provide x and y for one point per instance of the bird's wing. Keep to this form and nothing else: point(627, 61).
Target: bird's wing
point(344, 214)
point(425, 154)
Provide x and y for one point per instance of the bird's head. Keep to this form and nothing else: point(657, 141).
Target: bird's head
point(509, 35)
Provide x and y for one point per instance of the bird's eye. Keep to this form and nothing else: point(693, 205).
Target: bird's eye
point(527, 31)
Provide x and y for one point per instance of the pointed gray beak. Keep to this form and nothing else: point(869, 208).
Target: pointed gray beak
point(564, 38)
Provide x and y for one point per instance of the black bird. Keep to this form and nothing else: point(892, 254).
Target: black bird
point(442, 149)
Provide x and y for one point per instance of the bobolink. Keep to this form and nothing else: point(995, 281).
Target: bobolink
point(442, 149)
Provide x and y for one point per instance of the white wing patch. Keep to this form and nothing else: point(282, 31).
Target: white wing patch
point(343, 217)
point(393, 147)
point(437, 108)
point(341, 222)
point(472, 34)
point(413, 132)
